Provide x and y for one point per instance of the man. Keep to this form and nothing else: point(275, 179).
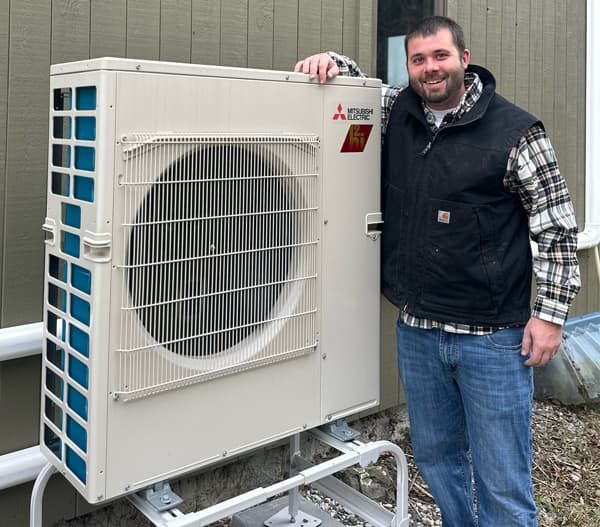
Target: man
point(468, 178)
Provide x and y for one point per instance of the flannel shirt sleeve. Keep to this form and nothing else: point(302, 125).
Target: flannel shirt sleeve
point(533, 173)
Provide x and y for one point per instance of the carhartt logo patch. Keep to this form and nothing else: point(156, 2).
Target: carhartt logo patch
point(443, 216)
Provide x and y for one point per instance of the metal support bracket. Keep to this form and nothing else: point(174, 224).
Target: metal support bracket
point(161, 497)
point(319, 476)
point(340, 430)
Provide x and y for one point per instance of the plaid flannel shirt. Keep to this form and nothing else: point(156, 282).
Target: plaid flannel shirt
point(532, 172)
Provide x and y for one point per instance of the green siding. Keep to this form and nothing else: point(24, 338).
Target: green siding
point(26, 161)
point(175, 30)
point(108, 28)
point(206, 31)
point(536, 50)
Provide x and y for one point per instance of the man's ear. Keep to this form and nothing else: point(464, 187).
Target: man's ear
point(466, 58)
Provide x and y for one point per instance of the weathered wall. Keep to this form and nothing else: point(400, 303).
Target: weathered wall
point(536, 50)
point(270, 34)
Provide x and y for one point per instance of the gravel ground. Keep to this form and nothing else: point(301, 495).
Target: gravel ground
point(566, 472)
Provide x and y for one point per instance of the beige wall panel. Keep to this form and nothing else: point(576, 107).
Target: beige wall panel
point(175, 30)
point(4, 25)
point(569, 156)
point(478, 36)
point(391, 392)
point(350, 28)
point(234, 33)
point(26, 161)
point(508, 56)
point(559, 132)
point(143, 29)
point(19, 390)
point(206, 31)
point(108, 21)
point(260, 34)
point(70, 30)
point(522, 60)
point(285, 34)
point(493, 38)
point(309, 27)
point(535, 58)
point(367, 36)
point(548, 54)
point(577, 91)
point(460, 10)
point(332, 19)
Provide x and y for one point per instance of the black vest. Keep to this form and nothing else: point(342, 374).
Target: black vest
point(455, 245)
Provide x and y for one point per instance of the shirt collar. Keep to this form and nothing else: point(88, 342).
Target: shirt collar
point(473, 90)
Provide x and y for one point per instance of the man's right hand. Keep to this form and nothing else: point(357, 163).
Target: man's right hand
point(321, 66)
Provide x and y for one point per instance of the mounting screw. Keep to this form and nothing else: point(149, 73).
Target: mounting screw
point(224, 453)
point(325, 222)
point(165, 499)
point(127, 487)
point(100, 496)
point(138, 67)
point(328, 417)
point(324, 356)
point(304, 426)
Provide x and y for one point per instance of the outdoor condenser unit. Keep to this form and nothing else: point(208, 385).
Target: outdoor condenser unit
point(212, 265)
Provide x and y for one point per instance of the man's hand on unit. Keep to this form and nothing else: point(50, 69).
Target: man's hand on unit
point(320, 66)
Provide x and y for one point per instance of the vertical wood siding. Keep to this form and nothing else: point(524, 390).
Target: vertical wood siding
point(536, 50)
point(270, 34)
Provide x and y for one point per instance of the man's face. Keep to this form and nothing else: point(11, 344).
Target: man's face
point(436, 69)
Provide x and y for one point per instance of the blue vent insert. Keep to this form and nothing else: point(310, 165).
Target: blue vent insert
point(55, 354)
point(61, 156)
point(77, 402)
point(86, 98)
point(53, 412)
point(78, 371)
point(57, 297)
point(55, 384)
point(61, 127)
point(60, 184)
point(81, 279)
point(83, 188)
point(53, 442)
point(76, 433)
point(85, 128)
point(69, 244)
point(80, 309)
point(71, 215)
point(85, 158)
point(57, 268)
point(76, 465)
point(78, 339)
point(57, 326)
point(62, 99)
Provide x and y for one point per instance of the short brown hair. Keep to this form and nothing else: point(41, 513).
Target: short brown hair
point(431, 25)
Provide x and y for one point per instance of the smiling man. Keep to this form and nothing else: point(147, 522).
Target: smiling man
point(468, 178)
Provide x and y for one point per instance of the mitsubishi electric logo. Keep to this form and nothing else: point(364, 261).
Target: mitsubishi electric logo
point(339, 114)
point(353, 114)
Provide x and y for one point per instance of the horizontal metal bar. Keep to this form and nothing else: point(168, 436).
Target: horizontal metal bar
point(20, 466)
point(21, 341)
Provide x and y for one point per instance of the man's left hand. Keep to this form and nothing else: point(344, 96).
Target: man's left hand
point(541, 340)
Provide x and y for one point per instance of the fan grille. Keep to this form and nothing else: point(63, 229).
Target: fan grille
point(220, 247)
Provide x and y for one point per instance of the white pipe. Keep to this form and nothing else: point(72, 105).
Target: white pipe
point(590, 237)
point(21, 466)
point(21, 341)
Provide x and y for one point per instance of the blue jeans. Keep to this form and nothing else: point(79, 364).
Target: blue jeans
point(468, 393)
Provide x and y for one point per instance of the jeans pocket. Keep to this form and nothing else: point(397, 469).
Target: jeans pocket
point(508, 339)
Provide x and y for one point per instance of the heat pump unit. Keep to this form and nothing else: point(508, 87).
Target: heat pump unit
point(212, 265)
